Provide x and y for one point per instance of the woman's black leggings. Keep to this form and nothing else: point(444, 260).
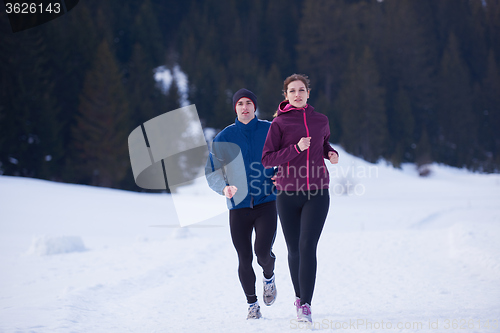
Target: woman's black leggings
point(243, 221)
point(302, 216)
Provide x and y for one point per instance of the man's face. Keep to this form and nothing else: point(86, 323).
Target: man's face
point(245, 110)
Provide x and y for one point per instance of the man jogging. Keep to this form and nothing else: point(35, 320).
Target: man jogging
point(250, 195)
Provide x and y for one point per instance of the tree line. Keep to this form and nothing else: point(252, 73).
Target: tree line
point(404, 80)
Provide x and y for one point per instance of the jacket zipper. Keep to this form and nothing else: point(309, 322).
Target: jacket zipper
point(307, 161)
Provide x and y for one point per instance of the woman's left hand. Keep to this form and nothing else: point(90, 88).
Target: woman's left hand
point(333, 157)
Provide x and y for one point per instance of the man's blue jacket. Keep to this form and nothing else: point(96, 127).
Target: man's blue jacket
point(235, 159)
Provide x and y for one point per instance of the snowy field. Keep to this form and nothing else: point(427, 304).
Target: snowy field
point(399, 253)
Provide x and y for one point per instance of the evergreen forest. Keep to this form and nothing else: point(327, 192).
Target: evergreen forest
point(404, 80)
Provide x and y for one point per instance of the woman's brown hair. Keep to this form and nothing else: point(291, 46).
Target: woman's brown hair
point(294, 77)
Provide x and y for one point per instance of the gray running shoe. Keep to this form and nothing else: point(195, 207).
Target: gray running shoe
point(254, 311)
point(269, 291)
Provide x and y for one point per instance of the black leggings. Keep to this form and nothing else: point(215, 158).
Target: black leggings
point(263, 219)
point(302, 216)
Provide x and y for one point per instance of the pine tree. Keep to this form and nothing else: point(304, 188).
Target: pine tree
point(218, 54)
point(423, 153)
point(323, 42)
point(71, 42)
point(146, 31)
point(268, 93)
point(475, 38)
point(493, 26)
point(321, 104)
point(103, 124)
point(278, 35)
point(169, 15)
point(30, 137)
point(363, 114)
point(458, 127)
point(146, 100)
point(489, 134)
point(401, 127)
point(8, 134)
point(405, 49)
point(197, 40)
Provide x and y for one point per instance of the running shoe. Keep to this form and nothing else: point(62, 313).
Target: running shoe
point(304, 313)
point(269, 291)
point(297, 306)
point(254, 311)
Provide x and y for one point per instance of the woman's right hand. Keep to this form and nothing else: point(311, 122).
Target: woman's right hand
point(230, 191)
point(304, 143)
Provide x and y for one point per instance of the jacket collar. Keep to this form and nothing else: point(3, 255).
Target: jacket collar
point(252, 125)
point(285, 107)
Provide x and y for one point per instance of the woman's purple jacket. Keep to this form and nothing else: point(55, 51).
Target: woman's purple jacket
point(298, 171)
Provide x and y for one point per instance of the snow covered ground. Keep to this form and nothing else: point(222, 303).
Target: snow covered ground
point(398, 253)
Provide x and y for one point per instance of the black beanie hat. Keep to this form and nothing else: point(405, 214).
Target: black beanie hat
point(244, 93)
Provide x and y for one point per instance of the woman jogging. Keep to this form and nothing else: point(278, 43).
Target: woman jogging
point(250, 195)
point(297, 143)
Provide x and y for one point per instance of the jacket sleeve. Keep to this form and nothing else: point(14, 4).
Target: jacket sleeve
point(273, 154)
point(213, 173)
point(326, 145)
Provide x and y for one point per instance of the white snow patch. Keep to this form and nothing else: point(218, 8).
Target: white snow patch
point(210, 133)
point(164, 76)
point(48, 245)
point(182, 233)
point(405, 250)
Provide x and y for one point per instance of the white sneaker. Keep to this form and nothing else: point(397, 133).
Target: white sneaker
point(297, 306)
point(270, 291)
point(304, 313)
point(254, 311)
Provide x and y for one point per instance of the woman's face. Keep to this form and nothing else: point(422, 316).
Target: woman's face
point(297, 94)
point(245, 110)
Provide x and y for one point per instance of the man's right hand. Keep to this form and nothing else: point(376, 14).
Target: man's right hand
point(230, 191)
